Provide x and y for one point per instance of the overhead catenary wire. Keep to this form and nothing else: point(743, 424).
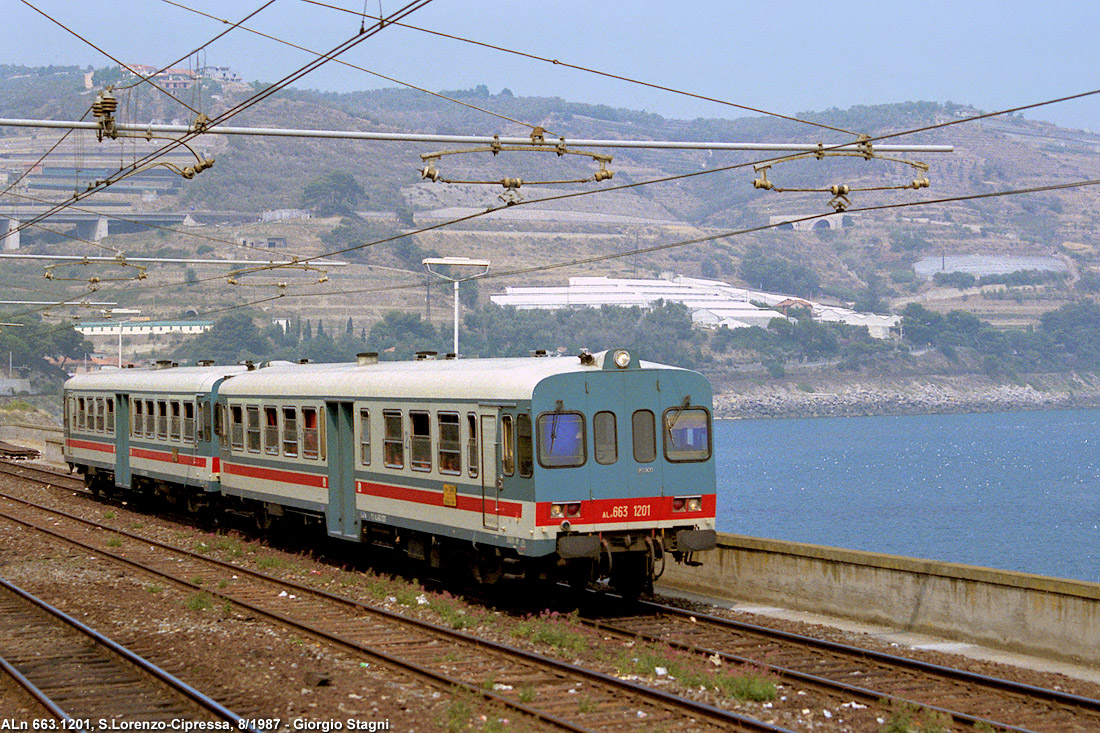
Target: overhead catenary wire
point(350, 65)
point(228, 114)
point(617, 77)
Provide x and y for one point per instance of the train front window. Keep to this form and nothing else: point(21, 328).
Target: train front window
point(561, 439)
point(393, 441)
point(450, 446)
point(645, 436)
point(686, 434)
point(605, 437)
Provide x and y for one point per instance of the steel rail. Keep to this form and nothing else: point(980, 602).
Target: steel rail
point(205, 701)
point(539, 144)
point(40, 697)
point(727, 717)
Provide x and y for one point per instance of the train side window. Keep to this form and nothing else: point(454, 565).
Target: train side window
point(80, 413)
point(508, 445)
point(561, 438)
point(605, 436)
point(393, 441)
point(420, 454)
point(645, 436)
point(525, 450)
point(471, 444)
point(189, 422)
point(271, 430)
point(364, 437)
point(236, 427)
point(137, 425)
point(174, 424)
point(311, 436)
point(450, 444)
point(150, 419)
point(111, 415)
point(100, 414)
point(686, 434)
point(70, 413)
point(290, 431)
point(252, 427)
point(162, 419)
point(203, 427)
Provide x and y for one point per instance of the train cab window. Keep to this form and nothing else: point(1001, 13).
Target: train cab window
point(364, 437)
point(188, 422)
point(137, 425)
point(525, 452)
point(686, 434)
point(236, 427)
point(174, 423)
point(252, 427)
point(162, 419)
point(100, 414)
point(645, 436)
point(605, 437)
point(471, 444)
point(80, 413)
point(561, 439)
point(311, 435)
point(290, 431)
point(393, 442)
point(420, 453)
point(111, 415)
point(450, 444)
point(150, 419)
point(271, 430)
point(507, 445)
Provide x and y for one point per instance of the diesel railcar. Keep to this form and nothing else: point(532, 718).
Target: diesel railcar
point(594, 468)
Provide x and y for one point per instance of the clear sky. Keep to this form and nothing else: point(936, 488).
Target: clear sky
point(786, 57)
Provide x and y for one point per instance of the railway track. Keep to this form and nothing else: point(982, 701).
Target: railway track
point(556, 693)
point(79, 677)
point(872, 677)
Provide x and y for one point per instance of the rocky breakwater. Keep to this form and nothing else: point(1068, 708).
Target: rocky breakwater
point(897, 396)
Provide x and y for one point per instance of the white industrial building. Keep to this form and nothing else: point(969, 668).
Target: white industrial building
point(713, 304)
point(142, 328)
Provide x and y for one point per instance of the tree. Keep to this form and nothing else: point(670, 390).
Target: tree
point(335, 192)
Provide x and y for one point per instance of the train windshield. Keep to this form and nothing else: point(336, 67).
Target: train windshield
point(561, 439)
point(687, 434)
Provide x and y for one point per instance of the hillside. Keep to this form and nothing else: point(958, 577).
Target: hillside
point(870, 259)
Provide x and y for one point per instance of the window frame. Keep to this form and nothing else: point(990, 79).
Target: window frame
point(110, 415)
point(364, 436)
point(316, 432)
point(175, 420)
point(583, 442)
point(472, 455)
point(272, 435)
point(188, 433)
point(652, 425)
point(449, 450)
point(597, 443)
point(289, 430)
point(666, 433)
point(420, 444)
point(236, 427)
point(507, 445)
point(393, 445)
point(252, 429)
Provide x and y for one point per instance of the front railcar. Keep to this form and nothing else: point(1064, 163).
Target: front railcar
point(625, 472)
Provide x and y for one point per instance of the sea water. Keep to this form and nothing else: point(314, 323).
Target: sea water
point(1011, 490)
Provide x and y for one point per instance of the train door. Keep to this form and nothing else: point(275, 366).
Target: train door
point(122, 441)
point(341, 516)
point(639, 429)
point(491, 481)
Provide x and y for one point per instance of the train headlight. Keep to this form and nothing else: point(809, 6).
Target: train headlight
point(695, 504)
point(678, 504)
point(621, 359)
point(573, 510)
point(687, 504)
point(557, 511)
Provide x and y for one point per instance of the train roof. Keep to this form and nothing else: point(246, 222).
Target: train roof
point(172, 379)
point(485, 379)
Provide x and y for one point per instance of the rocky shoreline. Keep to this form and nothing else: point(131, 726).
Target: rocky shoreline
point(925, 395)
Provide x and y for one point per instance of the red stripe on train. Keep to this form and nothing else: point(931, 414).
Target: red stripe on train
point(90, 445)
point(464, 502)
point(318, 481)
point(616, 511)
point(163, 457)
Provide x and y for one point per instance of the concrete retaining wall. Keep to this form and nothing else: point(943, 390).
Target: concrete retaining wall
point(45, 438)
point(1019, 612)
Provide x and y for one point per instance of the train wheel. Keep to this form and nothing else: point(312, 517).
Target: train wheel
point(631, 576)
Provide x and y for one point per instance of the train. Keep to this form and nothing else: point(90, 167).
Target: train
point(592, 469)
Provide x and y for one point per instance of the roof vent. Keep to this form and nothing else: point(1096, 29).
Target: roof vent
point(250, 366)
point(366, 358)
point(205, 362)
point(426, 355)
point(303, 360)
point(539, 353)
point(450, 356)
point(163, 364)
point(586, 357)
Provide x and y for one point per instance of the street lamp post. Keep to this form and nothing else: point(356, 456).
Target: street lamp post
point(429, 262)
point(122, 311)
